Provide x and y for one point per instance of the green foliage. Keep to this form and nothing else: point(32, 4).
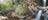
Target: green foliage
point(22, 9)
point(6, 7)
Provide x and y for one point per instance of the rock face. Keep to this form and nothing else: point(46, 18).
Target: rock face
point(3, 18)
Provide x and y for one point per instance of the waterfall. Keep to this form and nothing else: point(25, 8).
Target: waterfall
point(40, 11)
point(44, 3)
point(38, 15)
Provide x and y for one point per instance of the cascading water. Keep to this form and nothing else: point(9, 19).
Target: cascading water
point(40, 11)
point(38, 15)
point(44, 3)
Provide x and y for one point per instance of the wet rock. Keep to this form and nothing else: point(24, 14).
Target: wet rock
point(3, 18)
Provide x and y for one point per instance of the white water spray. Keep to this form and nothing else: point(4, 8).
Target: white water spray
point(44, 3)
point(38, 15)
point(40, 11)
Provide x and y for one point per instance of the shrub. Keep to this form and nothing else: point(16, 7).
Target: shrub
point(6, 7)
